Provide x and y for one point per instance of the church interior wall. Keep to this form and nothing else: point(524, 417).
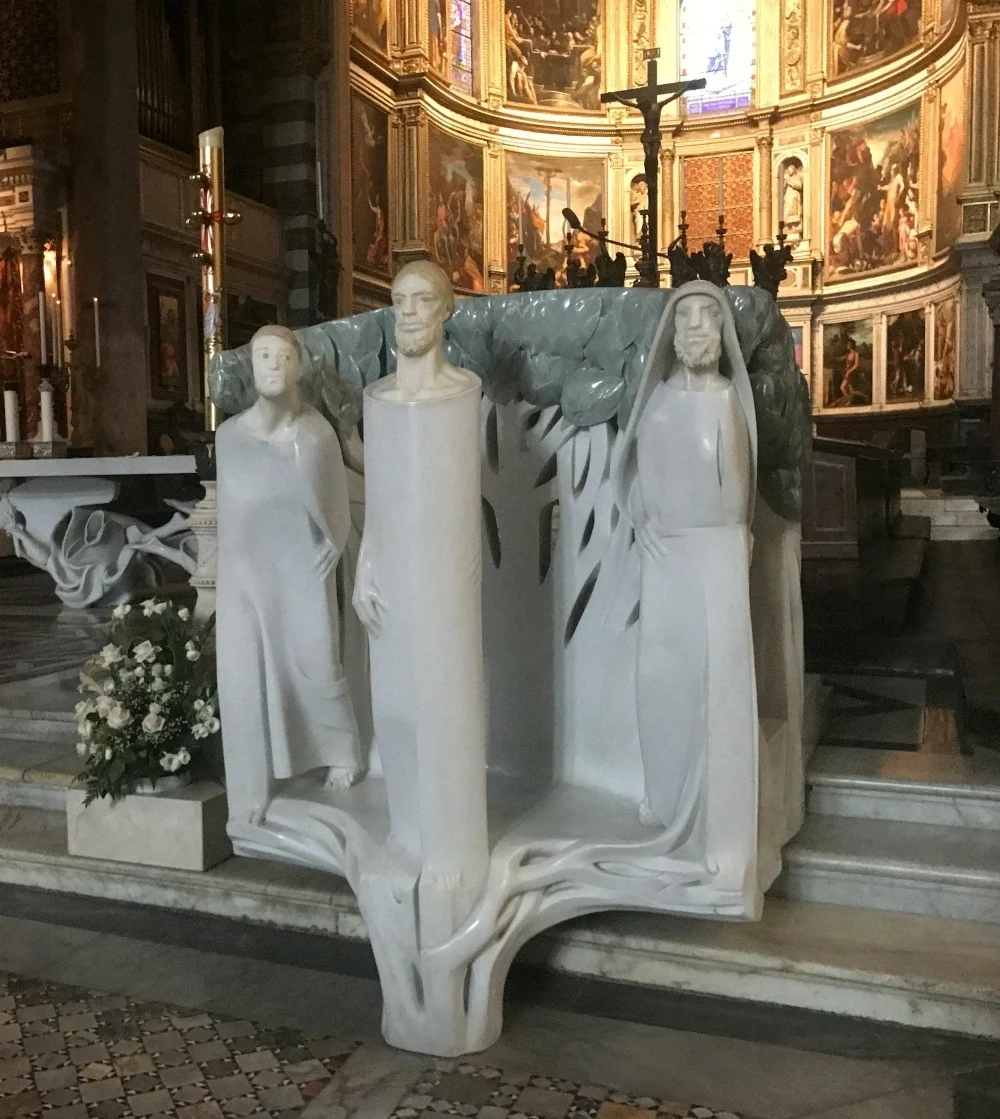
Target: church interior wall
point(820, 88)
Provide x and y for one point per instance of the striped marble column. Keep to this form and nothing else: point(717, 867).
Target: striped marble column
point(290, 179)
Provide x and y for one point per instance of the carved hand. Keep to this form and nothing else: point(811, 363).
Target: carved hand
point(326, 562)
point(368, 603)
point(649, 542)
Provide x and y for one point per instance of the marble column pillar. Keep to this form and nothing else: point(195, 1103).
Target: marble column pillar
point(107, 224)
point(32, 289)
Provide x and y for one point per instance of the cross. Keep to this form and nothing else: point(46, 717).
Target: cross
point(646, 99)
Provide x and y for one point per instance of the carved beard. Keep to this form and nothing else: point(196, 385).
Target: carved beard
point(699, 352)
point(418, 340)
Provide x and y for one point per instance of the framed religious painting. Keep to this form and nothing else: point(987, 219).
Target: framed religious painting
point(455, 210)
point(848, 364)
point(866, 33)
point(905, 357)
point(539, 188)
point(553, 54)
point(945, 348)
point(168, 352)
point(370, 185)
point(951, 161)
point(874, 202)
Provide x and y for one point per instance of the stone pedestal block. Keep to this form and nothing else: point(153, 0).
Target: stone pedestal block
point(185, 829)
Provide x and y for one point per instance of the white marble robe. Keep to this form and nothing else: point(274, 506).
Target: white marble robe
point(284, 519)
point(695, 687)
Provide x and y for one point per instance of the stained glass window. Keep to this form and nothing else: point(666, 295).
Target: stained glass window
point(723, 50)
point(461, 44)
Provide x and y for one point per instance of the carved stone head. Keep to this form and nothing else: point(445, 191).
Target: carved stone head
point(698, 332)
point(277, 361)
point(423, 301)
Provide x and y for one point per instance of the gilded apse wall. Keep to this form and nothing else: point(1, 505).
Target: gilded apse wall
point(842, 120)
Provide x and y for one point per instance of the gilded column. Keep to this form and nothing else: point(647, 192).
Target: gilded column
point(412, 55)
point(495, 220)
point(668, 216)
point(412, 185)
point(765, 144)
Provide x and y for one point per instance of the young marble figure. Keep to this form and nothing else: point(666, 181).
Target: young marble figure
point(284, 518)
point(685, 478)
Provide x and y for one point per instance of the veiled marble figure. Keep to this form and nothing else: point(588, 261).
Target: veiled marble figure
point(685, 478)
point(284, 519)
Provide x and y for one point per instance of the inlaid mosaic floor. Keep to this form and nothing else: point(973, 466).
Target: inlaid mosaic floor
point(71, 1054)
point(450, 1088)
point(66, 1053)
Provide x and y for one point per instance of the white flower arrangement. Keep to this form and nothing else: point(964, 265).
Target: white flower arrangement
point(148, 700)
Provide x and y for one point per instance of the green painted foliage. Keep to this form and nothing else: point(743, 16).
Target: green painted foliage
point(582, 349)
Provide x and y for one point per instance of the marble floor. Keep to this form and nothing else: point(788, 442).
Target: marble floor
point(206, 1027)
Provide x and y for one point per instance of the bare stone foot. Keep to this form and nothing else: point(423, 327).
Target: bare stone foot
point(343, 776)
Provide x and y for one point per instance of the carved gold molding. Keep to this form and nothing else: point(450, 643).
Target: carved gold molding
point(641, 26)
point(793, 36)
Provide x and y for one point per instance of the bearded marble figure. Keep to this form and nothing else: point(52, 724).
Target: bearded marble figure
point(284, 519)
point(685, 477)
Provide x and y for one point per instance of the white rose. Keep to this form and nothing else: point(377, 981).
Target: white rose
point(109, 687)
point(198, 704)
point(155, 708)
point(140, 673)
point(118, 717)
point(193, 655)
point(153, 723)
point(145, 651)
point(110, 655)
point(84, 708)
point(167, 763)
point(81, 748)
point(168, 670)
point(157, 684)
point(184, 614)
point(212, 726)
point(119, 612)
point(84, 728)
point(157, 669)
point(199, 730)
point(104, 705)
point(151, 606)
point(207, 713)
point(183, 756)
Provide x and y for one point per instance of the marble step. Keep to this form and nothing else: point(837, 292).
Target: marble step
point(937, 871)
point(920, 971)
point(923, 971)
point(36, 773)
point(949, 790)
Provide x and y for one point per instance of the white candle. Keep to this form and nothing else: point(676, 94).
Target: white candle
point(47, 425)
point(41, 328)
point(97, 333)
point(12, 418)
point(57, 357)
point(55, 330)
point(319, 190)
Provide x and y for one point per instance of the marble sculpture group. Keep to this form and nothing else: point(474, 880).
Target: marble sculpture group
point(545, 657)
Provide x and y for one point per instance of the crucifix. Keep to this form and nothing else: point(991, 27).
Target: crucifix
point(646, 100)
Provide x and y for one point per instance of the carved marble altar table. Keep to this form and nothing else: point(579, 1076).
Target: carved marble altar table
point(52, 510)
